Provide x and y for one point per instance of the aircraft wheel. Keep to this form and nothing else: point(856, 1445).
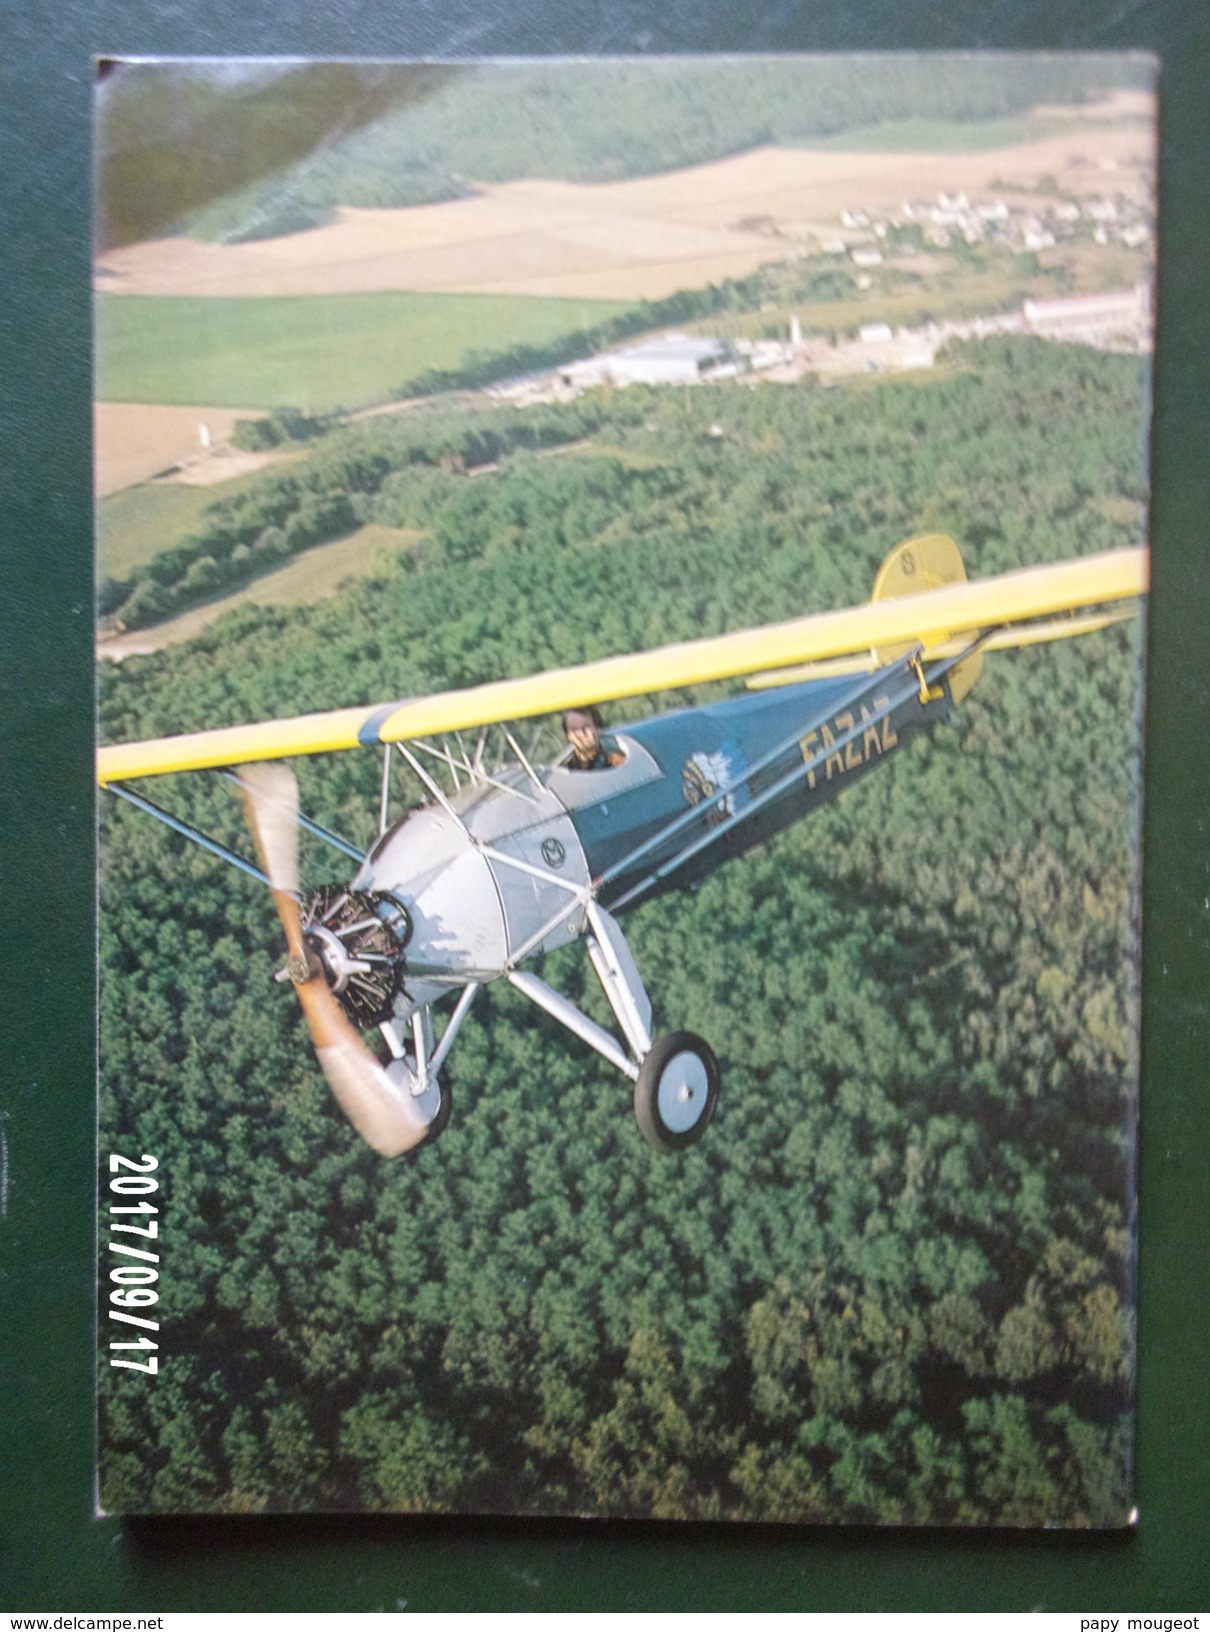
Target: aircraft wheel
point(435, 1103)
point(677, 1091)
point(441, 1121)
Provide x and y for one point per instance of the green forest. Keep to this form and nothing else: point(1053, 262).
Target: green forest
point(893, 1283)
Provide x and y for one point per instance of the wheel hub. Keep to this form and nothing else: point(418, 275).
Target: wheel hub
point(683, 1092)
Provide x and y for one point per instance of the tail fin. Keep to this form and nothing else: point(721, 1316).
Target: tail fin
point(918, 564)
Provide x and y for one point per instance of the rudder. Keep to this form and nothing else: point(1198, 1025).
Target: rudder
point(929, 562)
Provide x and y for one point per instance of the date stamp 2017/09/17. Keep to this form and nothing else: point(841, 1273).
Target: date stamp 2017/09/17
point(132, 1282)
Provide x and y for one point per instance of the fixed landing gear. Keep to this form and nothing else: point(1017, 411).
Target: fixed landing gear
point(431, 1103)
point(442, 1119)
point(417, 1075)
point(676, 1091)
point(676, 1077)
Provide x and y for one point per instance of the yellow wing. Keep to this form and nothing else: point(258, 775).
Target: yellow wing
point(933, 618)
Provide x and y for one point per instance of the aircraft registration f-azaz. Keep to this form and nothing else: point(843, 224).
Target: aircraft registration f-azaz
point(495, 867)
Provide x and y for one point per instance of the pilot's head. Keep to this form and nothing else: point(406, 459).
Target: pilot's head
point(583, 730)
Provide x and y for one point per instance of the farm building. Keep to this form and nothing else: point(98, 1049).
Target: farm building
point(671, 359)
point(1121, 318)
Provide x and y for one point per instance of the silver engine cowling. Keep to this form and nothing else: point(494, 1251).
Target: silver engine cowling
point(497, 877)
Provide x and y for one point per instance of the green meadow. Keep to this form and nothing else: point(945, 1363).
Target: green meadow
point(316, 353)
point(140, 522)
point(304, 580)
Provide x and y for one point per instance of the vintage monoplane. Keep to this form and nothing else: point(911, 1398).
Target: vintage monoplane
point(498, 865)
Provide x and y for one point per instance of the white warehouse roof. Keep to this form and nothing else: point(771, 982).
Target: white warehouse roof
point(666, 358)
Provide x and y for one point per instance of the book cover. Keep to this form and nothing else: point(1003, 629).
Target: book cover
point(620, 596)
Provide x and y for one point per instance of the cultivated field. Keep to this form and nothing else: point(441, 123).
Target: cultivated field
point(644, 238)
point(350, 312)
point(135, 441)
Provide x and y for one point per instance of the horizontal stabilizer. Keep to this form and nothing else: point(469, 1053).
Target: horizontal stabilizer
point(1029, 634)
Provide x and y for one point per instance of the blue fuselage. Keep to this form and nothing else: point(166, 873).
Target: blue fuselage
point(722, 778)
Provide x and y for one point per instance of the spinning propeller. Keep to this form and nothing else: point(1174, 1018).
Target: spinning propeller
point(383, 1112)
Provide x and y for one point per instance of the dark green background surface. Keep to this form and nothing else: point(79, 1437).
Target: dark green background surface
point(53, 1554)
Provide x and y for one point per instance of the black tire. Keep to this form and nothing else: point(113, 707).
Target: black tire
point(442, 1119)
point(677, 1092)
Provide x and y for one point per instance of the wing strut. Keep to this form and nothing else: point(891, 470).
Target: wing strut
point(315, 830)
point(188, 832)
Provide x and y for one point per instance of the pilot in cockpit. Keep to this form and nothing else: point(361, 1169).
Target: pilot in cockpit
point(591, 749)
